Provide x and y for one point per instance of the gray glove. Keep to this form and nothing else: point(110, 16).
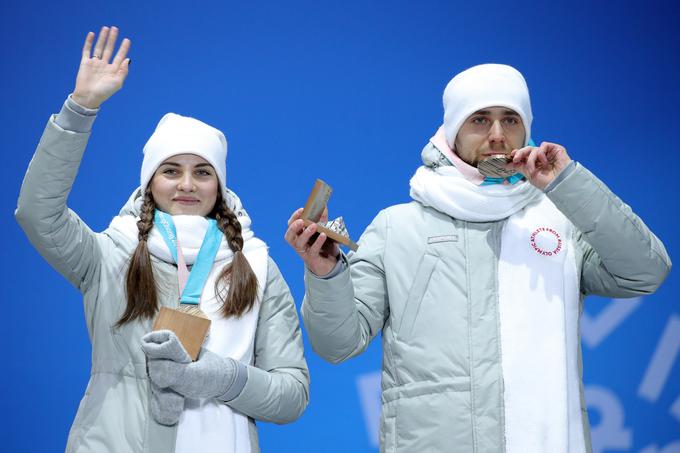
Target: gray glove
point(211, 376)
point(166, 405)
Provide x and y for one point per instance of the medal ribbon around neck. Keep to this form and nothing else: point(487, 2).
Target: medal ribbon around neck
point(190, 287)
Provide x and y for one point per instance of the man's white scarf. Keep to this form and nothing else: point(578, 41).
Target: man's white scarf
point(446, 189)
point(206, 425)
point(538, 300)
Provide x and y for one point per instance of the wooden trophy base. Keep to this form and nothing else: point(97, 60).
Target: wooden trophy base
point(314, 208)
point(190, 329)
point(340, 239)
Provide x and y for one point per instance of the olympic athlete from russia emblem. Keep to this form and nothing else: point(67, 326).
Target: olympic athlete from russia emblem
point(546, 241)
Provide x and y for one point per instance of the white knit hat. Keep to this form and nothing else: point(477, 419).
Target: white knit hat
point(482, 86)
point(176, 134)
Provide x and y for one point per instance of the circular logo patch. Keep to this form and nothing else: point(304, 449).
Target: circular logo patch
point(546, 241)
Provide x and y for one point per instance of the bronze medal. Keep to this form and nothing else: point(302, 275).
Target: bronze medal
point(494, 166)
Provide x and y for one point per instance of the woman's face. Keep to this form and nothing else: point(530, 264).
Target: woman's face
point(185, 184)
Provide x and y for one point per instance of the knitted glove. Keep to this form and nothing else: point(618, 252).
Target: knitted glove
point(164, 344)
point(211, 376)
point(166, 405)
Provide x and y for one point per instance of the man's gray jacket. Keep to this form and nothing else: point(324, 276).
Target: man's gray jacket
point(429, 282)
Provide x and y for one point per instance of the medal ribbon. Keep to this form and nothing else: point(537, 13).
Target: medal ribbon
point(512, 179)
point(190, 287)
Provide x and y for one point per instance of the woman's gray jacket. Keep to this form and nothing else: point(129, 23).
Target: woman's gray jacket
point(113, 416)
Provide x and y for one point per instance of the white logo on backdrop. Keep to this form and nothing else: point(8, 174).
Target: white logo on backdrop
point(610, 433)
point(670, 448)
point(594, 329)
point(369, 395)
point(660, 366)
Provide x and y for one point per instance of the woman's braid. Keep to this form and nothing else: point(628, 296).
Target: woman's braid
point(146, 216)
point(230, 226)
point(239, 276)
point(140, 285)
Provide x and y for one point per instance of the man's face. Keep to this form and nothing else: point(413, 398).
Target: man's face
point(492, 130)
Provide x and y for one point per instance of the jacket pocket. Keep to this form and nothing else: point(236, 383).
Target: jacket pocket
point(436, 421)
point(416, 293)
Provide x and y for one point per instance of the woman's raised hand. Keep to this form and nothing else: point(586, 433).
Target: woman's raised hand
point(99, 77)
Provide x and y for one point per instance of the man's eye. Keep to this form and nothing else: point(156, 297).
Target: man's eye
point(511, 120)
point(479, 120)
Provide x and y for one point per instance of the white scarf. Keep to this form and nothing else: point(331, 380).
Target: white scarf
point(538, 307)
point(206, 425)
point(538, 301)
point(447, 190)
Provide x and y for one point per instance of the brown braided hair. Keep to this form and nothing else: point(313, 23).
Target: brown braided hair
point(140, 285)
point(242, 292)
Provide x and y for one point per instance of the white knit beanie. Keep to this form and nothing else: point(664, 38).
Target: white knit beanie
point(176, 134)
point(482, 86)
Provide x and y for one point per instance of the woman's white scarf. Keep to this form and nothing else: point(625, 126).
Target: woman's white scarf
point(206, 425)
point(538, 300)
point(191, 229)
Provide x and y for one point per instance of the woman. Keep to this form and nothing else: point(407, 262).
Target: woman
point(145, 394)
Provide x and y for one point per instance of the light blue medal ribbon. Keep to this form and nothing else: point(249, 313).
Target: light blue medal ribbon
point(204, 261)
point(512, 179)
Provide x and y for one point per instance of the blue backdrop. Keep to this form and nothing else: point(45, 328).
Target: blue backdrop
point(348, 92)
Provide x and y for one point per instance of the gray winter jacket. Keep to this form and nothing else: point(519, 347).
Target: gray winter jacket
point(428, 281)
point(114, 414)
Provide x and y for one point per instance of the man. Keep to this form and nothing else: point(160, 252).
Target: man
point(478, 283)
